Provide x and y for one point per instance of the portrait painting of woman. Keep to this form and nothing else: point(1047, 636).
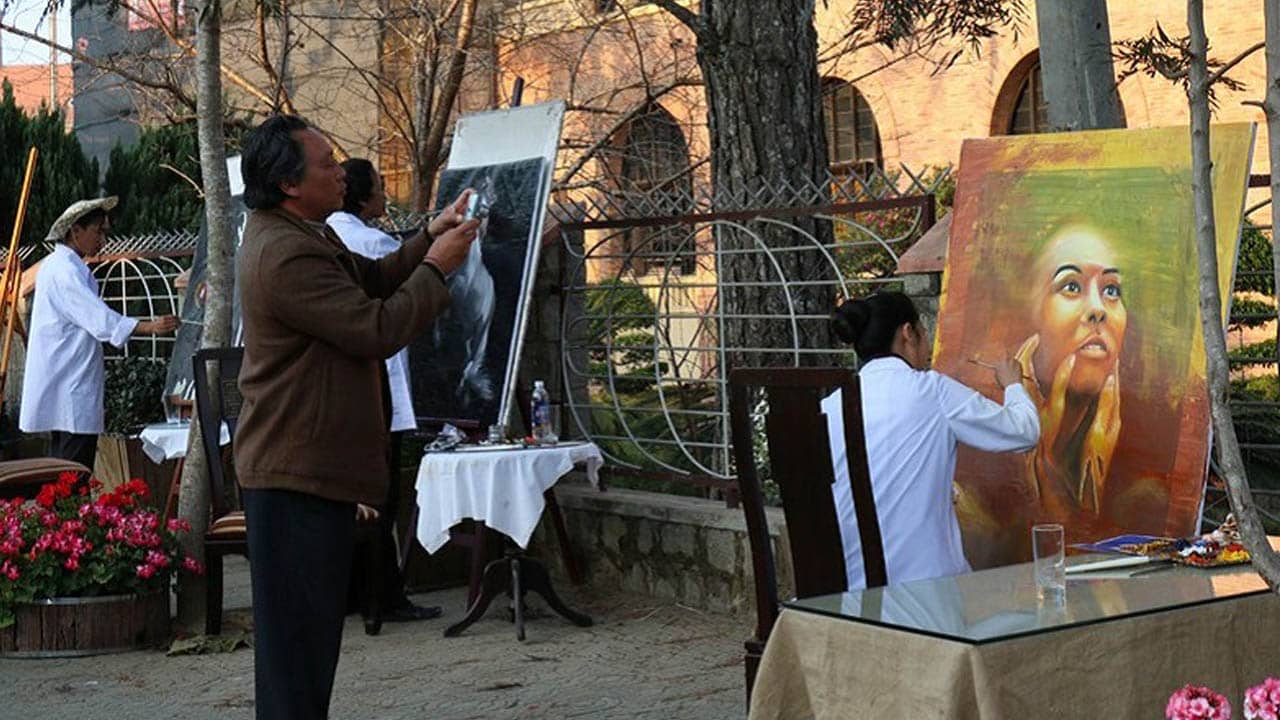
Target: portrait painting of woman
point(1075, 253)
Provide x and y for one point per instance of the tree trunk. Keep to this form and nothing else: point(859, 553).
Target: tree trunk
point(1271, 105)
point(1266, 562)
point(1075, 64)
point(193, 503)
point(764, 112)
point(432, 110)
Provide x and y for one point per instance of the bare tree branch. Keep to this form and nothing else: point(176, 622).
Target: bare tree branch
point(690, 19)
point(1226, 67)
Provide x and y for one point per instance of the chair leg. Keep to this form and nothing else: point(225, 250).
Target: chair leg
point(751, 665)
point(213, 592)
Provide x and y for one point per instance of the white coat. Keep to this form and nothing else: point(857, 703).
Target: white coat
point(912, 421)
point(373, 243)
point(62, 384)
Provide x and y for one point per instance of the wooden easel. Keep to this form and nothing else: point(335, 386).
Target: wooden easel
point(11, 283)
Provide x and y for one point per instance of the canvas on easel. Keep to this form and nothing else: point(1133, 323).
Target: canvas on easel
point(1075, 254)
point(463, 367)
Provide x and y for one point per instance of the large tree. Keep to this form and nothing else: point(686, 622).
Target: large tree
point(759, 65)
point(1075, 64)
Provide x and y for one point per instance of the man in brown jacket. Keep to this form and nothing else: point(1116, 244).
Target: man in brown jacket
point(312, 437)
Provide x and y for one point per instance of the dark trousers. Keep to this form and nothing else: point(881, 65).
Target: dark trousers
point(392, 593)
point(299, 562)
point(73, 446)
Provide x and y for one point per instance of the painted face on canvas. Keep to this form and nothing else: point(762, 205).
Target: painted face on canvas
point(1079, 310)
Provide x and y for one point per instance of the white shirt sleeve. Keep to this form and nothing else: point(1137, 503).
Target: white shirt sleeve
point(78, 305)
point(987, 425)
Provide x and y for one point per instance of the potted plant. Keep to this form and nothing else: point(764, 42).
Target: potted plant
point(84, 571)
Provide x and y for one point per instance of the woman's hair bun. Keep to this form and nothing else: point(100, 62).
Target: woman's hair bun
point(850, 320)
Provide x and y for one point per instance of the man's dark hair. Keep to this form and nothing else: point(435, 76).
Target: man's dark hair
point(272, 156)
point(91, 218)
point(359, 184)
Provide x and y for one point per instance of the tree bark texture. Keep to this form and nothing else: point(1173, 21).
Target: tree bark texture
point(1266, 562)
point(764, 99)
point(193, 503)
point(1271, 105)
point(1075, 64)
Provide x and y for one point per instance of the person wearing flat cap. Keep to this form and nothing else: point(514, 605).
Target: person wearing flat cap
point(62, 386)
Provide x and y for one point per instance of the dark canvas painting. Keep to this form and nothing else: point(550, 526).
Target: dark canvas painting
point(178, 381)
point(459, 365)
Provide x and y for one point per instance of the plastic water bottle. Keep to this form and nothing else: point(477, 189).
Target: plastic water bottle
point(540, 416)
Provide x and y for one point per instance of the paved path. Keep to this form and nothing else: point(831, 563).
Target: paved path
point(643, 659)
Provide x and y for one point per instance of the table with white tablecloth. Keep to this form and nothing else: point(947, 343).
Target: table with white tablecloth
point(168, 441)
point(501, 486)
point(505, 488)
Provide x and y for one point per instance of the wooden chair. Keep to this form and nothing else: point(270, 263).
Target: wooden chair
point(226, 534)
point(800, 460)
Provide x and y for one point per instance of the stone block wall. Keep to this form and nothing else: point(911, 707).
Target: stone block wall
point(688, 550)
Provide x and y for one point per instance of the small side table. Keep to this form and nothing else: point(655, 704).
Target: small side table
point(504, 488)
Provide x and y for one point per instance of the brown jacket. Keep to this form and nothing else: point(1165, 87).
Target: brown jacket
point(318, 323)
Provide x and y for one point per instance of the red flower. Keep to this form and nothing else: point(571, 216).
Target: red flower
point(192, 566)
point(145, 571)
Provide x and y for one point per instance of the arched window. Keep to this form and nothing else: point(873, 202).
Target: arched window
point(1029, 112)
point(655, 163)
point(1020, 106)
point(853, 140)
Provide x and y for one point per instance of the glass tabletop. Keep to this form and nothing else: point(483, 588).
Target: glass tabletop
point(1000, 603)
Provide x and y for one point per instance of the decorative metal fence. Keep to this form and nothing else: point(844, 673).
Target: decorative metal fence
point(647, 334)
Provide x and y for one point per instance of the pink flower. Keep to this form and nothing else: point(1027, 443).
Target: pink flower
point(192, 565)
point(72, 563)
point(145, 571)
point(1197, 703)
point(178, 525)
point(9, 570)
point(1262, 702)
point(157, 559)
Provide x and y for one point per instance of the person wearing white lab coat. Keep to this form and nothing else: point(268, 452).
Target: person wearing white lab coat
point(913, 419)
point(365, 200)
point(62, 385)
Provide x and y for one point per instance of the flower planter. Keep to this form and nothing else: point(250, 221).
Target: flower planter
point(77, 626)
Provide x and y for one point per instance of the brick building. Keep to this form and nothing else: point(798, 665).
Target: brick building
point(32, 83)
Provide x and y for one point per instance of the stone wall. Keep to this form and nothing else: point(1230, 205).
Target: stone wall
point(689, 550)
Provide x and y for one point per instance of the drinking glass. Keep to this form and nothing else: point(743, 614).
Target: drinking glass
point(1048, 548)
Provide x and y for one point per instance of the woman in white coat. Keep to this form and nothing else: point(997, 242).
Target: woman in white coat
point(913, 419)
point(365, 201)
point(62, 383)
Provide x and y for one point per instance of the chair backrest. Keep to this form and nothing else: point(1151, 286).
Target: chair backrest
point(800, 461)
point(217, 403)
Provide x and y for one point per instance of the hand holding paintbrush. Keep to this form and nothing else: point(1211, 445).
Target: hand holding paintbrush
point(1008, 371)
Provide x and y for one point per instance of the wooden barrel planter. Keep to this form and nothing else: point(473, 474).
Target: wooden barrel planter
point(77, 626)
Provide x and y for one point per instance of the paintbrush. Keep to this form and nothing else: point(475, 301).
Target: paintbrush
point(992, 366)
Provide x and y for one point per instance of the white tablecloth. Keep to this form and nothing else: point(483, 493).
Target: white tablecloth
point(501, 487)
point(168, 441)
